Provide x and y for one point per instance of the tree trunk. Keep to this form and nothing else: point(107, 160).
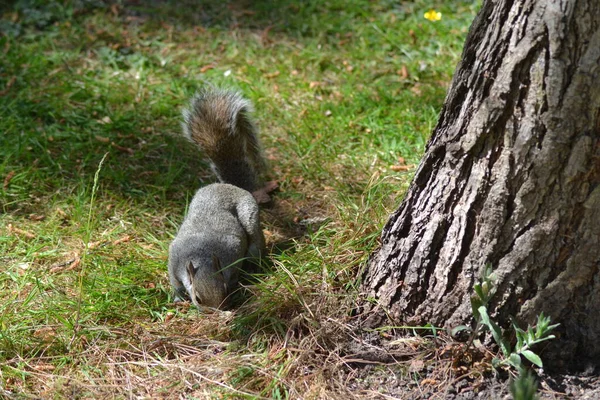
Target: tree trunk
point(510, 178)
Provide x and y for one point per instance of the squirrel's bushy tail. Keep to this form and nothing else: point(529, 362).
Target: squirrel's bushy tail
point(219, 122)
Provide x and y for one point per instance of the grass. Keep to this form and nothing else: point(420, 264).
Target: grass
point(346, 94)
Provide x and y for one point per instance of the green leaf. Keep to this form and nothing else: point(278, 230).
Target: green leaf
point(433, 329)
point(475, 304)
point(495, 329)
point(478, 289)
point(530, 336)
point(543, 325)
point(487, 271)
point(496, 362)
point(542, 339)
point(459, 328)
point(551, 327)
point(543, 321)
point(534, 358)
point(485, 289)
point(515, 360)
point(519, 333)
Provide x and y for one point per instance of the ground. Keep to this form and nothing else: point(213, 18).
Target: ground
point(96, 179)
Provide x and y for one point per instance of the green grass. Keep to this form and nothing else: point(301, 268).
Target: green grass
point(342, 89)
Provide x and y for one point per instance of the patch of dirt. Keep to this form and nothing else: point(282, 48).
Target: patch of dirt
point(415, 368)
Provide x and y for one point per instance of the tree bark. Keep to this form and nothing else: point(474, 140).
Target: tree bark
point(510, 178)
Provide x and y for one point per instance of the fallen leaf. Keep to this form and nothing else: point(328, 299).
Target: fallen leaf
point(58, 266)
point(45, 333)
point(207, 67)
point(102, 139)
point(262, 195)
point(9, 84)
point(147, 173)
point(115, 9)
point(416, 365)
point(413, 36)
point(416, 89)
point(121, 148)
point(20, 232)
point(8, 178)
point(124, 239)
point(400, 168)
point(74, 264)
point(44, 367)
point(264, 36)
point(272, 74)
point(403, 72)
point(93, 245)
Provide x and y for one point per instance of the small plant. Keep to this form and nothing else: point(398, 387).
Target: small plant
point(524, 386)
point(525, 339)
point(484, 291)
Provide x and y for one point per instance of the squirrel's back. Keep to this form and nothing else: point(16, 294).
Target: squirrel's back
point(219, 122)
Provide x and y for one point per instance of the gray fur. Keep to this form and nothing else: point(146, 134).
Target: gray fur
point(222, 224)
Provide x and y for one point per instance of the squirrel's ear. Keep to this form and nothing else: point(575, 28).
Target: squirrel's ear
point(190, 271)
point(216, 263)
point(217, 266)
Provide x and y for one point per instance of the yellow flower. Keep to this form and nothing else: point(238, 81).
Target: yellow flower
point(433, 15)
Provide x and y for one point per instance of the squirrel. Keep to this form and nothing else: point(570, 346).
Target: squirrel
point(222, 226)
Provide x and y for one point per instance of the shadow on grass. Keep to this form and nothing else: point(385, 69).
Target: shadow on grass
point(56, 133)
point(285, 16)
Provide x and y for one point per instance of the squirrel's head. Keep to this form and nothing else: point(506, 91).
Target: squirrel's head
point(209, 287)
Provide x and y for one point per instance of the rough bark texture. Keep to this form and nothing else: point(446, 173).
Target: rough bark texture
point(510, 177)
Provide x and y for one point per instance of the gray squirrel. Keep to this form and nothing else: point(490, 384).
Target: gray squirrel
point(222, 226)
